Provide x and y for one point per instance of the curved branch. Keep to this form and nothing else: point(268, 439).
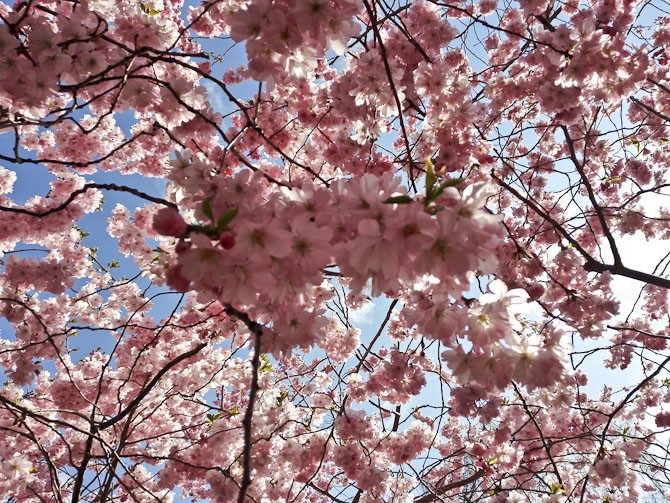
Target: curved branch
point(86, 187)
point(428, 498)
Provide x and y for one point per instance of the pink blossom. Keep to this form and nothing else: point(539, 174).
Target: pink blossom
point(663, 419)
point(337, 320)
point(168, 222)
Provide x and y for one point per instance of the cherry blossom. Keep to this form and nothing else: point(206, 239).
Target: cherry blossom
point(319, 250)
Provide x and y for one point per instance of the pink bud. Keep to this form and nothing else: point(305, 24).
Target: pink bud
point(176, 281)
point(227, 240)
point(169, 222)
point(182, 246)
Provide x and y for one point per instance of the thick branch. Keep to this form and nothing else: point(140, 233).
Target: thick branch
point(73, 196)
point(428, 498)
point(257, 330)
point(621, 270)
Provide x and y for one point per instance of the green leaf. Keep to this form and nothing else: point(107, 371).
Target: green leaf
point(234, 411)
point(82, 232)
point(282, 396)
point(398, 200)
point(207, 209)
point(430, 179)
point(213, 417)
point(266, 364)
point(114, 264)
point(557, 489)
point(637, 143)
point(225, 218)
point(148, 10)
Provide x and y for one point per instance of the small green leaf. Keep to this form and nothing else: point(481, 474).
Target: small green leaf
point(82, 232)
point(557, 489)
point(637, 144)
point(114, 264)
point(148, 10)
point(492, 461)
point(213, 417)
point(398, 200)
point(207, 209)
point(234, 411)
point(282, 396)
point(430, 179)
point(225, 218)
point(266, 364)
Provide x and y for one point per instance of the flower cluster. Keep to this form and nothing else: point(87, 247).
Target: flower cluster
point(351, 265)
point(283, 38)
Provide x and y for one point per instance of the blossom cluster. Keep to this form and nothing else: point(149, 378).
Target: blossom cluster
point(475, 170)
point(283, 38)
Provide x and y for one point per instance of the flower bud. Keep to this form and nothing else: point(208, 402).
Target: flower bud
point(176, 281)
point(168, 222)
point(227, 240)
point(182, 246)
